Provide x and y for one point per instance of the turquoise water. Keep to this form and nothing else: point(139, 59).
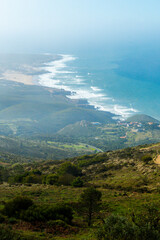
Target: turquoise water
point(122, 82)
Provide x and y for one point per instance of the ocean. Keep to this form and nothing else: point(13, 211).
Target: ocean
point(124, 84)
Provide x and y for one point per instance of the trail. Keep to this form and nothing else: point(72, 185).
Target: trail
point(157, 160)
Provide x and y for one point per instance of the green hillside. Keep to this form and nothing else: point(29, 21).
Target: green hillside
point(128, 180)
point(43, 110)
point(142, 118)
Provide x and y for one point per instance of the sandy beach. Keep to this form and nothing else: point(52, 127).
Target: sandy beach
point(18, 77)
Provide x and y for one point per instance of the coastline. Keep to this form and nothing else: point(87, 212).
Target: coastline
point(19, 77)
point(58, 75)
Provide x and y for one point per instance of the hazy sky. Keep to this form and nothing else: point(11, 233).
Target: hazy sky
point(40, 25)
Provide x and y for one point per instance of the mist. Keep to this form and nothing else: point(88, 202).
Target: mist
point(60, 25)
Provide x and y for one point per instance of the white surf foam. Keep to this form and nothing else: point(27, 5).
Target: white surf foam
point(96, 89)
point(59, 75)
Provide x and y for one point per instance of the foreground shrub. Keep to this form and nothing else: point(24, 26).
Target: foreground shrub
point(117, 227)
point(65, 179)
point(148, 221)
point(13, 207)
point(50, 179)
point(33, 179)
point(2, 218)
point(46, 213)
point(78, 182)
point(69, 168)
point(146, 158)
point(7, 234)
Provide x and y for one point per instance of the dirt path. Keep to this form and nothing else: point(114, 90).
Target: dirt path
point(157, 160)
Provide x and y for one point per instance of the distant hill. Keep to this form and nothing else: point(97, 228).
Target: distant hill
point(82, 128)
point(142, 118)
point(37, 110)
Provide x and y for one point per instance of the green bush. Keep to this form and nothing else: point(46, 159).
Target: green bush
point(13, 207)
point(51, 179)
point(11, 220)
point(46, 213)
point(146, 158)
point(120, 228)
point(2, 218)
point(33, 179)
point(60, 223)
point(117, 227)
point(7, 234)
point(69, 168)
point(33, 213)
point(66, 179)
point(78, 182)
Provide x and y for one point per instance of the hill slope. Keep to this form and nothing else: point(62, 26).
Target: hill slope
point(142, 118)
point(43, 110)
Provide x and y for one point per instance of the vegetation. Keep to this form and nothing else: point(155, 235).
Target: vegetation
point(96, 196)
point(93, 193)
point(90, 203)
point(142, 118)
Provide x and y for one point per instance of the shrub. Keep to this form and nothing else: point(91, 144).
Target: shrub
point(7, 234)
point(53, 223)
point(2, 218)
point(32, 214)
point(78, 182)
point(17, 178)
point(33, 179)
point(46, 213)
point(13, 207)
point(117, 227)
point(146, 158)
point(11, 220)
point(51, 179)
point(65, 179)
point(69, 168)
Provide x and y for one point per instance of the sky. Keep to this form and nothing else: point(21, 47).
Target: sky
point(41, 25)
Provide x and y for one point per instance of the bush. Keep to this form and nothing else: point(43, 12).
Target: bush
point(65, 179)
point(2, 218)
point(13, 207)
point(69, 168)
point(54, 223)
point(11, 220)
point(117, 227)
point(7, 234)
point(78, 182)
point(46, 213)
point(33, 179)
point(146, 158)
point(51, 179)
point(32, 214)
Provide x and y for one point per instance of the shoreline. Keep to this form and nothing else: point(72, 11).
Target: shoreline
point(57, 75)
point(19, 77)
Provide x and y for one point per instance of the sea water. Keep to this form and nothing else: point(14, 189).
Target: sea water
point(124, 84)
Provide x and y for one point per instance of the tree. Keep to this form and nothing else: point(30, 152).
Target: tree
point(90, 202)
